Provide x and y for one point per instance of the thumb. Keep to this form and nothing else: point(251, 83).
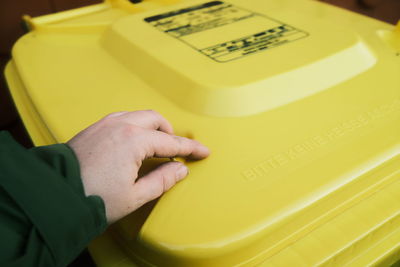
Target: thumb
point(160, 180)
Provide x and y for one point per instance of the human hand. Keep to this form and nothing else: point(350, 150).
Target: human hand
point(111, 151)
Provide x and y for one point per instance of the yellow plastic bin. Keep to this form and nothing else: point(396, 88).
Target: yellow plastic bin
point(298, 100)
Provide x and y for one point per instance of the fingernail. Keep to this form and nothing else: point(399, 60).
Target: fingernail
point(182, 172)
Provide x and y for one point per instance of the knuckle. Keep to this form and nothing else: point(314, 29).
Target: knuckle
point(175, 148)
point(178, 139)
point(114, 114)
point(169, 181)
point(167, 177)
point(151, 111)
point(159, 189)
point(183, 142)
point(109, 118)
point(164, 183)
point(130, 130)
point(106, 122)
point(110, 115)
point(154, 114)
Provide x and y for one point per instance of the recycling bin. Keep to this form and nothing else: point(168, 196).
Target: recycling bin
point(298, 100)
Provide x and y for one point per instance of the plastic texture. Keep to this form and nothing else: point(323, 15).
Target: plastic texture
point(299, 102)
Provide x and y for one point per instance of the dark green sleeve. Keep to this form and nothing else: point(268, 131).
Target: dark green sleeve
point(45, 218)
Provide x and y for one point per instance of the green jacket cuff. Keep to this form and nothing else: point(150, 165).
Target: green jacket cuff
point(45, 182)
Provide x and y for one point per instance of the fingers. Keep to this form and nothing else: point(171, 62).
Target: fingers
point(167, 146)
point(158, 181)
point(159, 143)
point(148, 119)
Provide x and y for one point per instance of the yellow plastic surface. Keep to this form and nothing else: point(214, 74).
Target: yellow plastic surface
point(299, 102)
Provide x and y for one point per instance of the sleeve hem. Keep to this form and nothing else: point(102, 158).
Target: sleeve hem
point(64, 217)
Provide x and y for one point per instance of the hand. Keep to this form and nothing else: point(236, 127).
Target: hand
point(111, 151)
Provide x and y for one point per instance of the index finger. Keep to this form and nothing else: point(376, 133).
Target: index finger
point(164, 145)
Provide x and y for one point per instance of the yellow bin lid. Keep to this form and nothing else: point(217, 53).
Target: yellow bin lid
point(299, 102)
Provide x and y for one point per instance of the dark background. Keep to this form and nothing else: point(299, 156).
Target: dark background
point(11, 29)
point(11, 12)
